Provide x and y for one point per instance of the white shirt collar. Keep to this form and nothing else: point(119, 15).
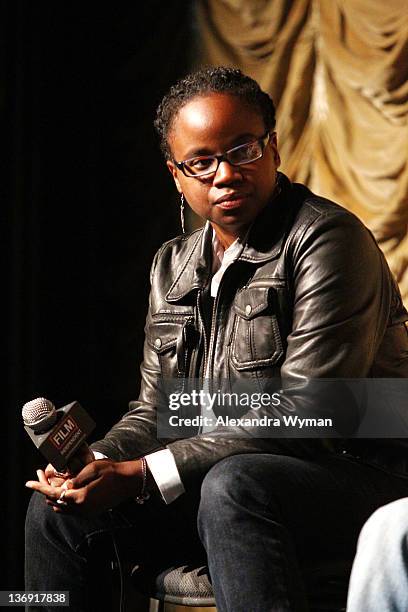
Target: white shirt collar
point(223, 258)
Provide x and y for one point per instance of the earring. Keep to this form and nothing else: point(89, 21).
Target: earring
point(183, 228)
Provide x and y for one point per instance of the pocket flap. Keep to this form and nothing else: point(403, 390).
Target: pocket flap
point(251, 301)
point(163, 335)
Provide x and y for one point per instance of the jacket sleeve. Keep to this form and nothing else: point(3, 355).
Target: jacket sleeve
point(342, 293)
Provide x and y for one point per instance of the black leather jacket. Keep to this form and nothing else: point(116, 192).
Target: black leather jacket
point(310, 296)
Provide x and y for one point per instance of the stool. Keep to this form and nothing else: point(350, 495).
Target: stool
point(189, 585)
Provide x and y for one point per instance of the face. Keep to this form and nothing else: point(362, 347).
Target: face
point(234, 196)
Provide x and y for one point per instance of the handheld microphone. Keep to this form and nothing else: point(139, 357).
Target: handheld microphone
point(58, 434)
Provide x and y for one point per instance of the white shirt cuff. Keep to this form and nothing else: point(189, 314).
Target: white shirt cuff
point(165, 473)
point(98, 455)
point(164, 470)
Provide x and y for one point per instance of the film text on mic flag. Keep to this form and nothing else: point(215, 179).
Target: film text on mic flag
point(57, 434)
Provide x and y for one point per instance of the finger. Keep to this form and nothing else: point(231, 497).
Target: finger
point(45, 489)
point(63, 509)
point(54, 478)
point(66, 510)
point(70, 508)
point(41, 477)
point(88, 474)
point(64, 474)
point(56, 482)
point(50, 470)
point(52, 503)
point(57, 500)
point(60, 509)
point(75, 496)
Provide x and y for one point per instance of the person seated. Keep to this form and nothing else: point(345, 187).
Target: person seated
point(282, 285)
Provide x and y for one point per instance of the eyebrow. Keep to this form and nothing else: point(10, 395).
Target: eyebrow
point(204, 152)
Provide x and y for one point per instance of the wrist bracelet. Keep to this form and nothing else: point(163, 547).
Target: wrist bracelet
point(144, 494)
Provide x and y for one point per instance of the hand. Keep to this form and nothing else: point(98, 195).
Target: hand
point(99, 486)
point(51, 491)
point(82, 457)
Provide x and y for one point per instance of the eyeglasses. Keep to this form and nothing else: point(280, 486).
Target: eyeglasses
point(204, 165)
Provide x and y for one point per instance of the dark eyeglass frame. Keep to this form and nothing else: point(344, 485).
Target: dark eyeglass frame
point(262, 141)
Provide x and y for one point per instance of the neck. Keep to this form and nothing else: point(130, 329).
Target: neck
point(226, 238)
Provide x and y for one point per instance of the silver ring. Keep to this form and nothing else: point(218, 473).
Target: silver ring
point(58, 474)
point(61, 499)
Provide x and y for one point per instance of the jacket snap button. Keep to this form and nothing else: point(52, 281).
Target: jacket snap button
point(248, 309)
point(157, 343)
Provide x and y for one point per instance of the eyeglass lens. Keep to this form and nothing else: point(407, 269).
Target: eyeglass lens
point(243, 154)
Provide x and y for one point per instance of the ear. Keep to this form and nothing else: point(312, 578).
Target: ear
point(273, 141)
point(173, 171)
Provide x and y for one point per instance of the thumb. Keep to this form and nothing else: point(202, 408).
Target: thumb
point(88, 474)
point(68, 484)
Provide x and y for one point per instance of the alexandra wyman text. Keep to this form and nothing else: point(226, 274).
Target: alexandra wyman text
point(226, 421)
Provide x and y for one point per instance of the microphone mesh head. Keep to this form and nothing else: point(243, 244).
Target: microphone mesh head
point(38, 412)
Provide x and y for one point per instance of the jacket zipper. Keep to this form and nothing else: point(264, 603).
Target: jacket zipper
point(207, 366)
point(183, 371)
point(209, 344)
point(201, 318)
point(207, 362)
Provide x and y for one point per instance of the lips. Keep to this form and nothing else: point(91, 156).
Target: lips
point(231, 200)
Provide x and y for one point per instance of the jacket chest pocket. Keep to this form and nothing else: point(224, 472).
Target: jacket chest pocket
point(173, 341)
point(256, 340)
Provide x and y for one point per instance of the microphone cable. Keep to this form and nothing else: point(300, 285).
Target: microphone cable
point(118, 563)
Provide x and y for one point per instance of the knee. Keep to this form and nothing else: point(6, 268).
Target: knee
point(37, 515)
point(231, 486)
point(216, 500)
point(215, 486)
point(41, 520)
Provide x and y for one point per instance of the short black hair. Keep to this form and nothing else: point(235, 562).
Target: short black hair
point(219, 79)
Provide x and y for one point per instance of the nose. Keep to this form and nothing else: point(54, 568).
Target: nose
point(226, 173)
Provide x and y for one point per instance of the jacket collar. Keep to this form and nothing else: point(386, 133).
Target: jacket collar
point(268, 232)
point(265, 241)
point(195, 269)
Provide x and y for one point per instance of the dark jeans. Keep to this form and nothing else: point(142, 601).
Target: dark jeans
point(260, 518)
point(72, 553)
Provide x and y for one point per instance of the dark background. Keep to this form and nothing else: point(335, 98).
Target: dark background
point(87, 200)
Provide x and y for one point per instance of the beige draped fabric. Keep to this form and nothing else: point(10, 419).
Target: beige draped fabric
point(337, 71)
